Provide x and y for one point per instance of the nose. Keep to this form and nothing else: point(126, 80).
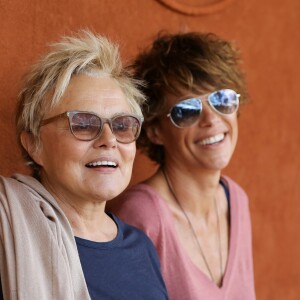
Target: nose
point(106, 138)
point(208, 115)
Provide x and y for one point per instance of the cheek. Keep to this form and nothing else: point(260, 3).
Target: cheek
point(57, 151)
point(234, 128)
point(172, 134)
point(128, 152)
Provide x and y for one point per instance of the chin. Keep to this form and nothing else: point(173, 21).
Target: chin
point(221, 164)
point(110, 187)
point(114, 191)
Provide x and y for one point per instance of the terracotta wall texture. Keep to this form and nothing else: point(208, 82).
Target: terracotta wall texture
point(266, 162)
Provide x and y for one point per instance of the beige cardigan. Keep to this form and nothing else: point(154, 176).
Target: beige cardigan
point(38, 254)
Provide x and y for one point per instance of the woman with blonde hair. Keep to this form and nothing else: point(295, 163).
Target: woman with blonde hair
point(78, 117)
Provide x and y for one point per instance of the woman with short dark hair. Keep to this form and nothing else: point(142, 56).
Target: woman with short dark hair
point(197, 218)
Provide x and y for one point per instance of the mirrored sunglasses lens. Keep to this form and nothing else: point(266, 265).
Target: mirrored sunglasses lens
point(85, 126)
point(126, 128)
point(186, 113)
point(224, 101)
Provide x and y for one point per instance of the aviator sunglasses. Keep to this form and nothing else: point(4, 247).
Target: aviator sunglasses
point(86, 126)
point(186, 113)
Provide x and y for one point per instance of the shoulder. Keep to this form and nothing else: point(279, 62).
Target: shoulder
point(138, 199)
point(8, 182)
point(11, 188)
point(239, 202)
point(25, 190)
point(235, 190)
point(142, 207)
point(20, 184)
point(23, 195)
point(140, 192)
point(131, 234)
point(126, 229)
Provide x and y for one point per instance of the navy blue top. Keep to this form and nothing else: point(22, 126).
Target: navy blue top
point(124, 268)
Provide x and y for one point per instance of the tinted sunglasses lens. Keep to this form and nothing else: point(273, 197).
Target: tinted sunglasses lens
point(126, 128)
point(224, 101)
point(186, 113)
point(85, 126)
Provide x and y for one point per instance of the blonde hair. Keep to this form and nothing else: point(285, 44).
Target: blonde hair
point(47, 80)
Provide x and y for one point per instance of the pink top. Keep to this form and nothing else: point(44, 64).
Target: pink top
point(144, 208)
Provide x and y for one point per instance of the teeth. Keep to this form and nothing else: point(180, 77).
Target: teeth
point(102, 163)
point(212, 140)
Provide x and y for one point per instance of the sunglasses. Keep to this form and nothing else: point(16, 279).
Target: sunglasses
point(86, 126)
point(186, 113)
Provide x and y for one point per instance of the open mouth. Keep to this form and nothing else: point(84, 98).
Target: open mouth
point(102, 164)
point(212, 140)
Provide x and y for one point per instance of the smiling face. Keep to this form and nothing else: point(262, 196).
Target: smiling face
point(75, 170)
point(208, 144)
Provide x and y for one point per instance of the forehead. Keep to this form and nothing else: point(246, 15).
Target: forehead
point(101, 95)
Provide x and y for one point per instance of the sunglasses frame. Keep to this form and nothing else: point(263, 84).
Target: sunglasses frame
point(199, 99)
point(70, 114)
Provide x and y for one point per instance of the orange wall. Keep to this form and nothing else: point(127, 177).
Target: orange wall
point(266, 161)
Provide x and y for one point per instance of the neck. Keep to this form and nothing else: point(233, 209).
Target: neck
point(89, 220)
point(190, 187)
point(217, 278)
point(86, 217)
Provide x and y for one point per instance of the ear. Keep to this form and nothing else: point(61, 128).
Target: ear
point(29, 144)
point(154, 134)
